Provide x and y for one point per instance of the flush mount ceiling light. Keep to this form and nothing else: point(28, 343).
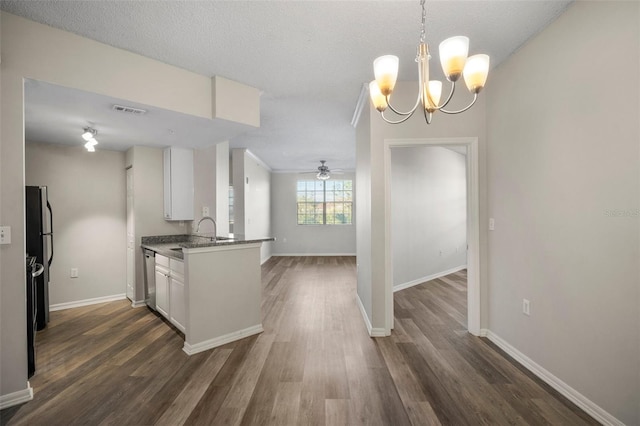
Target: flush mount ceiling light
point(454, 61)
point(89, 135)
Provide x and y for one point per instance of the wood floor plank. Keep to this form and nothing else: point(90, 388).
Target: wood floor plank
point(186, 401)
point(314, 364)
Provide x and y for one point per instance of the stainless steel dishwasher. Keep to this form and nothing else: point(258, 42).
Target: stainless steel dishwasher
point(150, 278)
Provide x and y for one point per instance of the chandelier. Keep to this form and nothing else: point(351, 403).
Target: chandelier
point(455, 63)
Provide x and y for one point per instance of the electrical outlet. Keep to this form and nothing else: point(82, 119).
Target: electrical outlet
point(526, 307)
point(492, 224)
point(74, 273)
point(205, 211)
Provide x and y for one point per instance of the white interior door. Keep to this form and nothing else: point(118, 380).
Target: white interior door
point(130, 238)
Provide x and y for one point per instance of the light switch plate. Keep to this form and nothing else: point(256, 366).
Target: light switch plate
point(5, 235)
point(492, 224)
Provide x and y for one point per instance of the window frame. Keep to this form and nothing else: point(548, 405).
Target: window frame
point(324, 202)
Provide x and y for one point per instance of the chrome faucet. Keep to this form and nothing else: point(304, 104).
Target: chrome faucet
point(215, 226)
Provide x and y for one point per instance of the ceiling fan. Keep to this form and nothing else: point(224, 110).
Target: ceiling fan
point(323, 172)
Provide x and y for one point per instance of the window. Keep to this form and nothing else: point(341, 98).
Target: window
point(325, 202)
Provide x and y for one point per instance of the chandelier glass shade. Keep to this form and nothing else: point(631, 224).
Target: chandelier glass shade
point(455, 63)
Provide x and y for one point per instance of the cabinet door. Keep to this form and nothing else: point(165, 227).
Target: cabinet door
point(162, 292)
point(178, 302)
point(178, 184)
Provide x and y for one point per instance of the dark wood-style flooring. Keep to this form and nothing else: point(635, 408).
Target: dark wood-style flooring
point(314, 364)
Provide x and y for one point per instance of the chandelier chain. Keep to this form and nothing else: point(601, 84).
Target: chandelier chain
point(423, 33)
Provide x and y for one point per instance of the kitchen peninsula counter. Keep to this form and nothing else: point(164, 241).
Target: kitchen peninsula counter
point(168, 245)
point(223, 287)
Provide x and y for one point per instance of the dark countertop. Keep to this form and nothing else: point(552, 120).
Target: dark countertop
point(164, 244)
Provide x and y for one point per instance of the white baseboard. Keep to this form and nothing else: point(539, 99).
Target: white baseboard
point(262, 262)
point(567, 391)
point(428, 278)
point(86, 302)
point(373, 332)
point(16, 398)
point(222, 340)
point(311, 254)
point(138, 303)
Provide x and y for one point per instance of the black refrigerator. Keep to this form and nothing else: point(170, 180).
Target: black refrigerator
point(39, 239)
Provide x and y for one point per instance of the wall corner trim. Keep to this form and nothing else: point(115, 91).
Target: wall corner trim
point(16, 398)
point(222, 340)
point(567, 391)
point(360, 104)
point(138, 303)
point(258, 159)
point(373, 332)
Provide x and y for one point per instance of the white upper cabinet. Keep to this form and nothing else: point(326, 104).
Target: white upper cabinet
point(178, 184)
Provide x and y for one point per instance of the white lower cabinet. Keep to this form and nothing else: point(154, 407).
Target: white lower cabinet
point(170, 294)
point(162, 285)
point(178, 302)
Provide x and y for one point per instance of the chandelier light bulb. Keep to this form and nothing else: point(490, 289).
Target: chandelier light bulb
point(453, 54)
point(385, 68)
point(433, 95)
point(378, 99)
point(476, 71)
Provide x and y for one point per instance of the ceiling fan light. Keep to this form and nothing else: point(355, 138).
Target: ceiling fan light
point(453, 55)
point(476, 71)
point(385, 69)
point(323, 176)
point(87, 135)
point(377, 98)
point(90, 147)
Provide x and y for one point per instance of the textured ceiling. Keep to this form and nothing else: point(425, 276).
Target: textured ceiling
point(308, 58)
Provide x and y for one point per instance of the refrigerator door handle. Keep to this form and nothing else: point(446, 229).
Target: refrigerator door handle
point(50, 233)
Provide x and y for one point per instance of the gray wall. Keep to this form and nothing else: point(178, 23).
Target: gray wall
point(363, 213)
point(148, 193)
point(428, 210)
point(563, 132)
point(87, 194)
point(295, 239)
point(211, 186)
point(252, 198)
point(371, 175)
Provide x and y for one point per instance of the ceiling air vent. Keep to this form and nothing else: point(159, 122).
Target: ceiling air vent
point(129, 110)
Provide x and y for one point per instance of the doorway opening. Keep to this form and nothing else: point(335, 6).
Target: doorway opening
point(444, 252)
